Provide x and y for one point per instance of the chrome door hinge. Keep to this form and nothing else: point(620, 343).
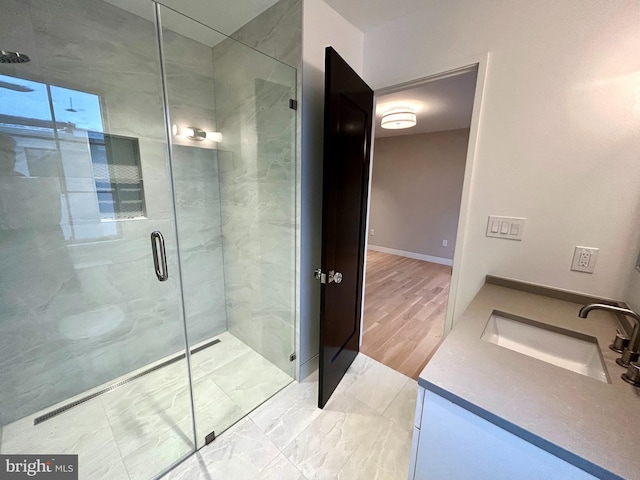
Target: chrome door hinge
point(325, 278)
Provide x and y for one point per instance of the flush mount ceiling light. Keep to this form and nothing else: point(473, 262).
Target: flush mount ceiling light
point(397, 119)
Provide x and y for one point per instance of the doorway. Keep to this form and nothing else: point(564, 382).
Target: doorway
point(416, 191)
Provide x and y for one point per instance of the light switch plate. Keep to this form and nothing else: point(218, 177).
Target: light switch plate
point(510, 228)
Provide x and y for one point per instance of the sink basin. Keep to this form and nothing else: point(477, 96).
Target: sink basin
point(564, 348)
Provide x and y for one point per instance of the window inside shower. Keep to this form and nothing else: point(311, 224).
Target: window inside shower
point(59, 133)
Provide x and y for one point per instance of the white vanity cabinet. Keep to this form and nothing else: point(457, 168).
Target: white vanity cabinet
point(488, 411)
point(450, 442)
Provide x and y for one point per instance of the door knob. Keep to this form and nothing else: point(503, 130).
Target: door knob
point(327, 277)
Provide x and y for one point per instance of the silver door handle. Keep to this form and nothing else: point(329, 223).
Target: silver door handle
point(159, 258)
point(332, 276)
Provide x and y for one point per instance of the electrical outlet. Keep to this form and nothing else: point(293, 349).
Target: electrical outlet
point(584, 259)
point(445, 243)
point(372, 232)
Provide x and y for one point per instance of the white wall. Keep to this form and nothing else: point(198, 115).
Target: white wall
point(559, 137)
point(321, 27)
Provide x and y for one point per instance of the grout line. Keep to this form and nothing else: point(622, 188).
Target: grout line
point(113, 434)
point(395, 398)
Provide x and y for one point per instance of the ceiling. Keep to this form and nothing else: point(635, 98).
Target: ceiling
point(442, 104)
point(220, 15)
point(227, 16)
point(446, 102)
point(369, 14)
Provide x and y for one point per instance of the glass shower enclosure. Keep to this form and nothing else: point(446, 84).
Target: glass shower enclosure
point(147, 233)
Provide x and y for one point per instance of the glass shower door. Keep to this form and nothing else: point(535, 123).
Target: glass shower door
point(233, 162)
point(92, 343)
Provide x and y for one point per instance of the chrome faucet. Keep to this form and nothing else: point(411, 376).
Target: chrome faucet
point(630, 352)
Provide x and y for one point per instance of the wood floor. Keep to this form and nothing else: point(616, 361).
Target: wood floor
point(404, 309)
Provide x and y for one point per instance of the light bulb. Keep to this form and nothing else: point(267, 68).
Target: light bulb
point(214, 136)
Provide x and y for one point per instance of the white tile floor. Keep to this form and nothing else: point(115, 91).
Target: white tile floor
point(364, 432)
point(135, 431)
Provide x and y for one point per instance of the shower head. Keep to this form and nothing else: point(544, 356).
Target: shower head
point(13, 57)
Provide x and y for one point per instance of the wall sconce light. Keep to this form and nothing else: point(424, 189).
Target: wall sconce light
point(193, 133)
point(197, 134)
point(214, 136)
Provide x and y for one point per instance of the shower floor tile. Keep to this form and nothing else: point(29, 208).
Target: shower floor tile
point(130, 432)
point(215, 411)
point(250, 379)
point(225, 352)
point(147, 461)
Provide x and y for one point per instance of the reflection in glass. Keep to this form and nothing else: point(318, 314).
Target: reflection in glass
point(73, 107)
point(52, 141)
point(80, 125)
point(24, 100)
point(53, 127)
point(235, 214)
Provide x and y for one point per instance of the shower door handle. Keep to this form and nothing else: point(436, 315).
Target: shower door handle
point(159, 257)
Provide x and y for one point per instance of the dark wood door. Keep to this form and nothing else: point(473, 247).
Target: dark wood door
point(348, 111)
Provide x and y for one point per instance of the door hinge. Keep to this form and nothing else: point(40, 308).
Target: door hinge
point(292, 357)
point(293, 104)
point(210, 438)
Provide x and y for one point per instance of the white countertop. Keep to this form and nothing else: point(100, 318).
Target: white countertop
point(591, 424)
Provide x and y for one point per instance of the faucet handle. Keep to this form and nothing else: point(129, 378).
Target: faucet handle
point(628, 357)
point(633, 374)
point(619, 343)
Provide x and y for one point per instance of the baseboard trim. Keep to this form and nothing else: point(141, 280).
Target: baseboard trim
point(309, 367)
point(417, 256)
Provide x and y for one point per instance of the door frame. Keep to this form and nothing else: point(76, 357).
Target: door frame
point(481, 61)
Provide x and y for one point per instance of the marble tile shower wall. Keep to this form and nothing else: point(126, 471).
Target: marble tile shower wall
point(199, 230)
point(276, 32)
point(78, 312)
point(258, 179)
point(190, 89)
